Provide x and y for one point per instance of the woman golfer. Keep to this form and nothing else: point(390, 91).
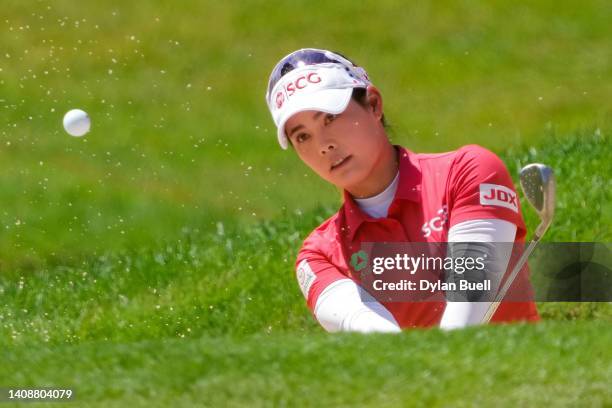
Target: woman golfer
point(327, 109)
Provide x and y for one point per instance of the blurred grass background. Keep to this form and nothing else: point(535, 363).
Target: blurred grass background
point(181, 136)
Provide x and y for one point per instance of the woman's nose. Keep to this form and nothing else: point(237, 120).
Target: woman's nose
point(327, 147)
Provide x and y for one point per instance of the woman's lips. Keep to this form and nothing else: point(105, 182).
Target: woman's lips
point(340, 162)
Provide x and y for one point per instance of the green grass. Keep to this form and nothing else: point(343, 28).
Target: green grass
point(553, 364)
point(222, 313)
point(151, 262)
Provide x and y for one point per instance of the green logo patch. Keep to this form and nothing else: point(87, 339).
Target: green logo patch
point(359, 260)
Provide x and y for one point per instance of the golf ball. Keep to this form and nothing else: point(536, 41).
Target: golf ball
point(77, 122)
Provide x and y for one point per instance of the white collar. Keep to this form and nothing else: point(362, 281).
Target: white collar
point(378, 205)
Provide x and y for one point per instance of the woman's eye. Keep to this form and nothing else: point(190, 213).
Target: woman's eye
point(329, 118)
point(302, 137)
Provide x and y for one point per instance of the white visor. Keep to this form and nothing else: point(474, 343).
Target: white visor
point(323, 87)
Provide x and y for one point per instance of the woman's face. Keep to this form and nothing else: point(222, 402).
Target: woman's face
point(344, 149)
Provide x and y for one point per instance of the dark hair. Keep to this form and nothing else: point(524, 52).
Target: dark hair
point(359, 96)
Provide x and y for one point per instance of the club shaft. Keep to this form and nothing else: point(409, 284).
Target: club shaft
point(502, 292)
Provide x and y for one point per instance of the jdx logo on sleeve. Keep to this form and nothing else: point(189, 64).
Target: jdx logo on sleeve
point(501, 196)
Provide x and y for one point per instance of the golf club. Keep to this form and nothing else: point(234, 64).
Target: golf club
point(538, 184)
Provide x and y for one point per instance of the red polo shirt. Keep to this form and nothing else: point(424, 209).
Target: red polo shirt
point(435, 192)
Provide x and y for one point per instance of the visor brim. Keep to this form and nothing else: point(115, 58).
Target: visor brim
point(332, 101)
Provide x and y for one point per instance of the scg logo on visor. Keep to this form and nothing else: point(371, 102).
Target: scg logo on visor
point(290, 88)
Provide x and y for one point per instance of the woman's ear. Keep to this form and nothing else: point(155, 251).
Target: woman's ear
point(375, 103)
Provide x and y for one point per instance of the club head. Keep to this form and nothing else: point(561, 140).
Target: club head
point(538, 184)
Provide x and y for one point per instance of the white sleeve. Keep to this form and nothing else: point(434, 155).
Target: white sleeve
point(345, 306)
point(462, 314)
